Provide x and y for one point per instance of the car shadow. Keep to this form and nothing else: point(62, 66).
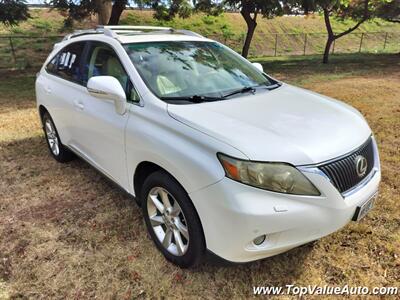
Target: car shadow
point(280, 269)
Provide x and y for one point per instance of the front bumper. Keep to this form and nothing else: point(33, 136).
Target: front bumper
point(233, 214)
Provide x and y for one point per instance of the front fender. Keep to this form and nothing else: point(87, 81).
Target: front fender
point(187, 154)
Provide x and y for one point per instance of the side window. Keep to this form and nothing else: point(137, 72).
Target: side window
point(67, 63)
point(103, 61)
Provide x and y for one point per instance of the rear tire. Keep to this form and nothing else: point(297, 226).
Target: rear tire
point(172, 220)
point(59, 152)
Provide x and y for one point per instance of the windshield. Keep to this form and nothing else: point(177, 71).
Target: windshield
point(179, 69)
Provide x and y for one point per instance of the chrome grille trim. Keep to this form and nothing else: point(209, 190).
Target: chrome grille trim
point(342, 172)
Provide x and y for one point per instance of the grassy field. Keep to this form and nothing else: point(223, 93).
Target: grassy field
point(228, 28)
point(65, 232)
point(45, 21)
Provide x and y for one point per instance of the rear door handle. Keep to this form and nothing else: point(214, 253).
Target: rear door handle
point(79, 105)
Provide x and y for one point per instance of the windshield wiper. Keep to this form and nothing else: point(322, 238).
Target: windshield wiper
point(194, 98)
point(273, 86)
point(240, 91)
point(202, 98)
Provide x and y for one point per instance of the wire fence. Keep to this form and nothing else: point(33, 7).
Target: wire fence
point(282, 44)
point(20, 51)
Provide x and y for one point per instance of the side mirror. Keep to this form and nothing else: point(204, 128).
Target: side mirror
point(259, 66)
point(108, 87)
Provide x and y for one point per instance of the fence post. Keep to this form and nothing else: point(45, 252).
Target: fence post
point(12, 51)
point(305, 44)
point(276, 43)
point(361, 40)
point(384, 43)
point(333, 46)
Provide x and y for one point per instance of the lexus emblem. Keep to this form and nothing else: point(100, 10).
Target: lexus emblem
point(361, 165)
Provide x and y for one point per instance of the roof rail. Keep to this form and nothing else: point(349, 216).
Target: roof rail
point(187, 32)
point(129, 27)
point(82, 32)
point(115, 30)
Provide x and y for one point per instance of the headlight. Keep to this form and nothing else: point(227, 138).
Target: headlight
point(277, 177)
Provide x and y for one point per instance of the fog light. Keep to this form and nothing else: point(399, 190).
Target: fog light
point(259, 240)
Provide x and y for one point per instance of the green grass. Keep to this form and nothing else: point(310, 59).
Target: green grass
point(264, 39)
point(23, 83)
point(44, 21)
point(304, 69)
point(230, 28)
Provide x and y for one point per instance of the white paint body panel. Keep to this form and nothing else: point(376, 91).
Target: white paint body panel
point(288, 124)
point(99, 134)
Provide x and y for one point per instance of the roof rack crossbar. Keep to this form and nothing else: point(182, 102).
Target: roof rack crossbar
point(114, 30)
point(82, 32)
point(187, 32)
point(129, 27)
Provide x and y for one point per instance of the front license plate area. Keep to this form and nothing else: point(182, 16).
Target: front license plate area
point(363, 209)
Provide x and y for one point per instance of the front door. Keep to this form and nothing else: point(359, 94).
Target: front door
point(99, 129)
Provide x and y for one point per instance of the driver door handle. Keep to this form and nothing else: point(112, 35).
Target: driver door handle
point(79, 105)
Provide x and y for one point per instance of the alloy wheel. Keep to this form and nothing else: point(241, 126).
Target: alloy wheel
point(168, 221)
point(52, 137)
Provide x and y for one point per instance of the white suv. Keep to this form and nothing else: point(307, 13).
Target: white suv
point(220, 156)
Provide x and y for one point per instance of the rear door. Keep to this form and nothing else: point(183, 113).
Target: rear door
point(63, 85)
point(99, 129)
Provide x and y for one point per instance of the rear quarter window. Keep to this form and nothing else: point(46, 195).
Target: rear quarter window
point(67, 63)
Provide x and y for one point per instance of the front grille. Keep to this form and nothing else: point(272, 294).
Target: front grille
point(342, 172)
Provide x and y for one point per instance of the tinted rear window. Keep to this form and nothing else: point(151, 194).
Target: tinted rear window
point(67, 63)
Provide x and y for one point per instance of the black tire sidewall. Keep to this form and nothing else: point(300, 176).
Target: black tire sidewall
point(196, 248)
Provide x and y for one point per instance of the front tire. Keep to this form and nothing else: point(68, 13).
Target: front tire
point(56, 148)
point(172, 220)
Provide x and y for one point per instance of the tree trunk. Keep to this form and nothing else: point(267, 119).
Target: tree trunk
point(103, 11)
point(117, 9)
point(251, 26)
point(328, 44)
point(332, 36)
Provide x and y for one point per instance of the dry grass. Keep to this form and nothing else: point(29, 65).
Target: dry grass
point(65, 232)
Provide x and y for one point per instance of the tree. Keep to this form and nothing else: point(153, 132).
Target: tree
point(13, 11)
point(108, 11)
point(167, 9)
point(103, 9)
point(358, 10)
point(116, 11)
point(249, 9)
point(77, 11)
point(389, 11)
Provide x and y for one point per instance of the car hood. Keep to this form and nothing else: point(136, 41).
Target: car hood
point(288, 124)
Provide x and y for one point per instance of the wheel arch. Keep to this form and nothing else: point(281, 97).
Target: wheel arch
point(143, 170)
point(42, 111)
